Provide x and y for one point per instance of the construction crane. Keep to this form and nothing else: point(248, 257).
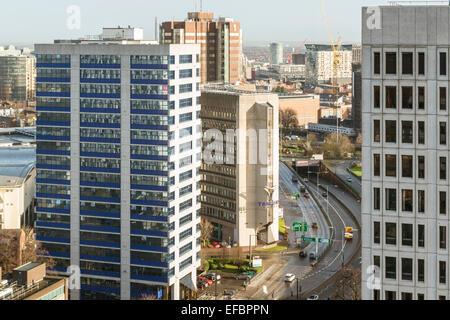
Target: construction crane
point(336, 63)
point(297, 51)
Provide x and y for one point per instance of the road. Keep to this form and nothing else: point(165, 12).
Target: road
point(270, 284)
point(341, 172)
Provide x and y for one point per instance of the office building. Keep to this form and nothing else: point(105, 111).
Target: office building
point(220, 44)
point(118, 155)
point(276, 53)
point(17, 187)
point(405, 204)
point(17, 74)
point(240, 188)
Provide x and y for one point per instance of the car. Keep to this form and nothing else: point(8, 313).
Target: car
point(349, 179)
point(314, 297)
point(216, 245)
point(324, 194)
point(306, 195)
point(206, 281)
point(302, 189)
point(348, 236)
point(211, 276)
point(312, 256)
point(294, 180)
point(242, 276)
point(315, 225)
point(302, 254)
point(305, 180)
point(289, 277)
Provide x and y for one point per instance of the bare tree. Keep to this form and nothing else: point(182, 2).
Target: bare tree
point(9, 250)
point(349, 285)
point(337, 146)
point(288, 118)
point(33, 250)
point(15, 251)
point(206, 230)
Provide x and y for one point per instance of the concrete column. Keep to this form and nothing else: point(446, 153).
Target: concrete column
point(125, 180)
point(75, 166)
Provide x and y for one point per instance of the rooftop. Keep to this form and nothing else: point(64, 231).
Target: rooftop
point(15, 165)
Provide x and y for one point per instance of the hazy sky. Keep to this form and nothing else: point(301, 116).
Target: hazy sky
point(292, 21)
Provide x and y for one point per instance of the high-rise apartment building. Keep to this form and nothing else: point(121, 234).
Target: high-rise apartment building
point(406, 182)
point(17, 74)
point(319, 63)
point(240, 187)
point(118, 159)
point(220, 43)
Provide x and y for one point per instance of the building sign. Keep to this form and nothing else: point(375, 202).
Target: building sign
point(269, 203)
point(256, 263)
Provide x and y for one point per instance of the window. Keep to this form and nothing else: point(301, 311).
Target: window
point(391, 233)
point(391, 199)
point(376, 232)
point(407, 132)
point(391, 268)
point(376, 199)
point(407, 235)
point(421, 58)
point(407, 166)
point(407, 63)
point(407, 200)
point(391, 165)
point(421, 201)
point(443, 63)
point(186, 58)
point(442, 98)
point(391, 63)
point(407, 270)
point(421, 235)
point(391, 97)
point(407, 97)
point(186, 73)
point(185, 117)
point(421, 132)
point(442, 237)
point(376, 97)
point(442, 272)
point(443, 133)
point(421, 98)
point(376, 63)
point(421, 167)
point(186, 88)
point(391, 131)
point(420, 270)
point(443, 168)
point(376, 165)
point(406, 295)
point(377, 261)
point(376, 131)
point(390, 295)
point(420, 296)
point(442, 202)
point(186, 103)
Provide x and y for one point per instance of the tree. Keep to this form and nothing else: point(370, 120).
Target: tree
point(206, 230)
point(349, 286)
point(279, 89)
point(333, 147)
point(20, 247)
point(288, 118)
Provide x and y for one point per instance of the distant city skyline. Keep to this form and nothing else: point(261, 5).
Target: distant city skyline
point(288, 21)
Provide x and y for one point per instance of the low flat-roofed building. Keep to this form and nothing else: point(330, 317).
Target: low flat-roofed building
point(306, 107)
point(31, 282)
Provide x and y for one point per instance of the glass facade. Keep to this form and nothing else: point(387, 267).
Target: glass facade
point(99, 164)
